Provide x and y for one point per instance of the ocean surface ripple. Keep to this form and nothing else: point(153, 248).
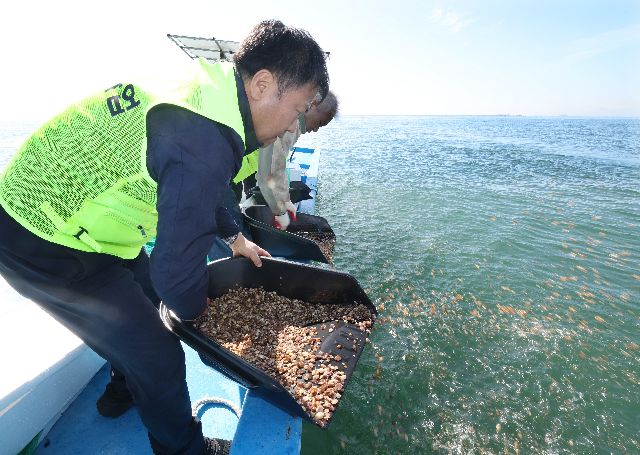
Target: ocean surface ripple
point(503, 254)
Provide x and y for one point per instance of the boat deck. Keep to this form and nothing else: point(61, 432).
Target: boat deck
point(262, 428)
point(51, 381)
point(45, 387)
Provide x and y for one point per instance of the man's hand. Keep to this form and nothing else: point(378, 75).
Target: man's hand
point(282, 221)
point(248, 249)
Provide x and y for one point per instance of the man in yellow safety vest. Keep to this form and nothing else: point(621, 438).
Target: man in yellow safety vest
point(85, 192)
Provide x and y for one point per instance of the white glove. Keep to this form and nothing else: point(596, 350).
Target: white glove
point(282, 221)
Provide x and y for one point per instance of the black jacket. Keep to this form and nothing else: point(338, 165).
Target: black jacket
point(192, 159)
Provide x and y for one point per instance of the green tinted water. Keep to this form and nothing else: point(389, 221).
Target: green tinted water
point(504, 257)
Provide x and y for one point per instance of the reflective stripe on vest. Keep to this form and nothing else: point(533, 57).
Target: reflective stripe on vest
point(81, 180)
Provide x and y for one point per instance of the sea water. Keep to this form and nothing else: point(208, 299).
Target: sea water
point(503, 255)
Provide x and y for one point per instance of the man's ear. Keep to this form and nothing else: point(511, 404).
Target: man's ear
point(260, 84)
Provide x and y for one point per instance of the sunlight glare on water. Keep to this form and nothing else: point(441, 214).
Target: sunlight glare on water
point(503, 256)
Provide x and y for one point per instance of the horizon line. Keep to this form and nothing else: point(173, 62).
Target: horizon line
point(636, 116)
point(559, 116)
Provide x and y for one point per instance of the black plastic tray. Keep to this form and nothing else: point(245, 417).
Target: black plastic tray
point(293, 280)
point(303, 223)
point(298, 191)
point(286, 244)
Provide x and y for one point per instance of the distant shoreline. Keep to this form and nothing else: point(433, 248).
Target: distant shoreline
point(629, 117)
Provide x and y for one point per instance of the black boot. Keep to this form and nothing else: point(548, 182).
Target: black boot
point(116, 399)
point(214, 446)
point(210, 446)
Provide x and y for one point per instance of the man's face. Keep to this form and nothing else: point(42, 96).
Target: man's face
point(316, 118)
point(274, 113)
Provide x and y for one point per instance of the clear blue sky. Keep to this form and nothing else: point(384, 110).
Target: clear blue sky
point(391, 57)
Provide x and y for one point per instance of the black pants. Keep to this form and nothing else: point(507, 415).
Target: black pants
point(110, 304)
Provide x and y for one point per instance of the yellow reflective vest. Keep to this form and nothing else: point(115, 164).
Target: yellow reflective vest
point(81, 180)
point(249, 166)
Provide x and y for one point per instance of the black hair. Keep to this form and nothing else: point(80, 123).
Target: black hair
point(290, 53)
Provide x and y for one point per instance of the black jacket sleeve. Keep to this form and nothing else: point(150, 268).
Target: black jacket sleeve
point(192, 159)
